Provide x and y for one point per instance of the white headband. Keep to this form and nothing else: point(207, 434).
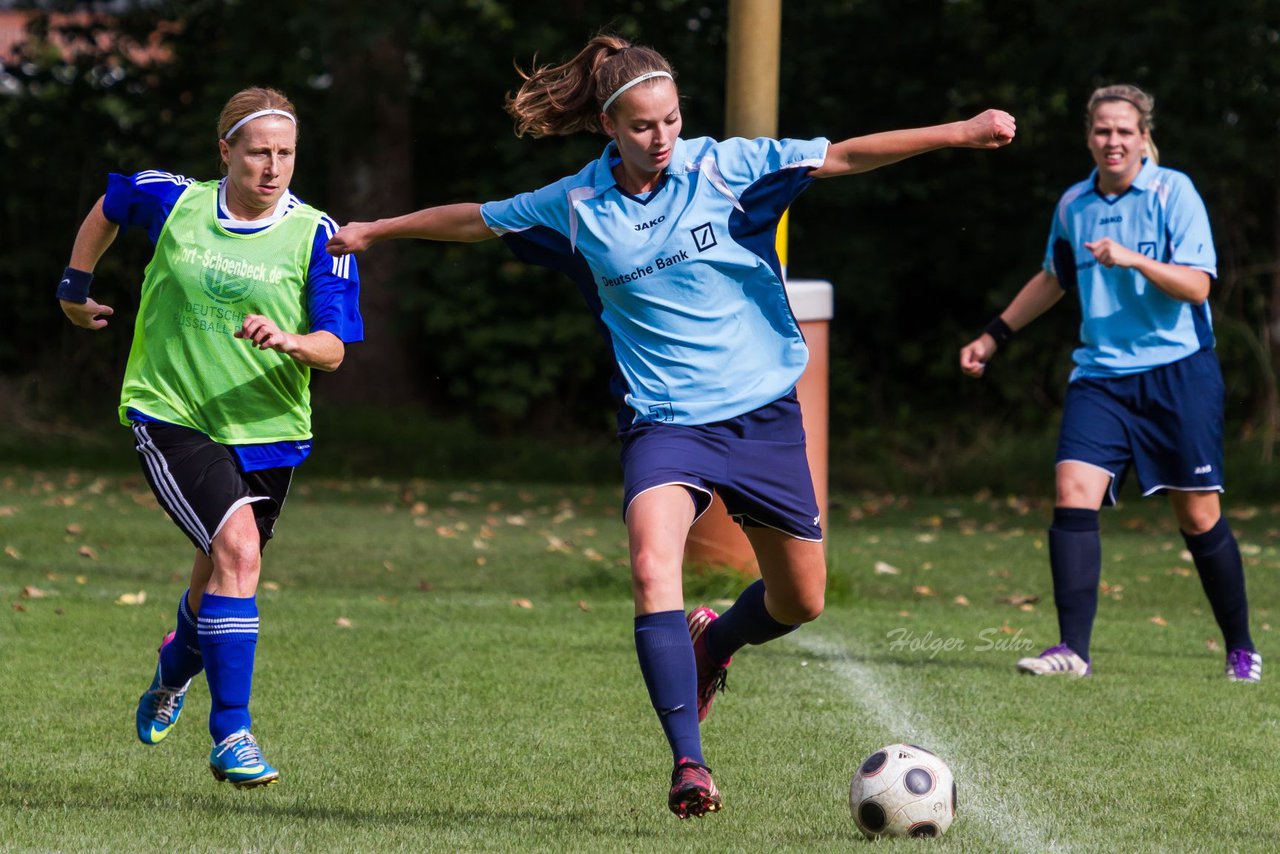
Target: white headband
point(633, 81)
point(235, 127)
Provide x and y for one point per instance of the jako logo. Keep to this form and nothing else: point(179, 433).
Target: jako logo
point(1203, 469)
point(1108, 220)
point(641, 226)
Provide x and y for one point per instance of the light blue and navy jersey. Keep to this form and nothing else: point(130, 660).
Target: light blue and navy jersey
point(1130, 325)
point(685, 282)
point(145, 201)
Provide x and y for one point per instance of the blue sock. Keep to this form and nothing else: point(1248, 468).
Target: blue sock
point(1075, 558)
point(228, 639)
point(670, 674)
point(1217, 557)
point(746, 622)
point(180, 659)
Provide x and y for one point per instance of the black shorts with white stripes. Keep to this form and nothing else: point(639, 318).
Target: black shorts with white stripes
point(199, 483)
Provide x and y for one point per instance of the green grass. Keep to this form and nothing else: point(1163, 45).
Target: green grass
point(442, 715)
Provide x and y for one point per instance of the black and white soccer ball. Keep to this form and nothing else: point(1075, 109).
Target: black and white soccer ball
point(903, 790)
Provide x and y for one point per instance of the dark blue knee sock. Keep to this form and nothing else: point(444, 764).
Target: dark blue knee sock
point(1075, 557)
point(746, 622)
point(228, 640)
point(670, 674)
point(1217, 557)
point(180, 659)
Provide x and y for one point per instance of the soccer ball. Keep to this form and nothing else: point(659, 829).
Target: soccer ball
point(903, 790)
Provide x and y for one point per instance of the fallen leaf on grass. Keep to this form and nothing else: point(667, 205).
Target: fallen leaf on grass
point(481, 560)
point(13, 553)
point(1179, 570)
point(86, 551)
point(138, 598)
point(904, 613)
point(82, 579)
point(883, 568)
point(961, 600)
point(522, 603)
point(1027, 606)
point(8, 510)
point(515, 520)
point(30, 592)
point(583, 606)
point(446, 532)
point(1007, 629)
point(1212, 645)
point(426, 586)
point(1019, 599)
point(342, 623)
point(922, 590)
point(418, 508)
point(18, 606)
point(273, 586)
point(1159, 621)
point(592, 554)
point(74, 530)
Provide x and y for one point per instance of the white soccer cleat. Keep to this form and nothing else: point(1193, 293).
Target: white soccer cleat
point(1058, 660)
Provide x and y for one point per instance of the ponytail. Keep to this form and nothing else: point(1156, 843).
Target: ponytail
point(556, 100)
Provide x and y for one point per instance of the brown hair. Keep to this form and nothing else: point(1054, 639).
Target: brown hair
point(566, 98)
point(248, 101)
point(1139, 100)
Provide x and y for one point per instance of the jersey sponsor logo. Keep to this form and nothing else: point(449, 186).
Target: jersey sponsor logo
point(1204, 469)
point(1111, 220)
point(642, 226)
point(662, 262)
point(1147, 248)
point(704, 236)
point(225, 278)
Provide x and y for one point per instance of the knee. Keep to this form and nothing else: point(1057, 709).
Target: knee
point(651, 568)
point(1196, 521)
point(804, 608)
point(240, 557)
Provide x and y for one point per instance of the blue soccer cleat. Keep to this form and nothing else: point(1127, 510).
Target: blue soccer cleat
point(1244, 665)
point(237, 759)
point(160, 706)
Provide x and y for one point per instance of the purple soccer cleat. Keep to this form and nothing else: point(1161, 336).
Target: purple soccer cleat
point(1244, 665)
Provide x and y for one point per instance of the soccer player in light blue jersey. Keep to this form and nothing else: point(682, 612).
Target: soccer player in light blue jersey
point(672, 243)
point(1132, 241)
point(239, 303)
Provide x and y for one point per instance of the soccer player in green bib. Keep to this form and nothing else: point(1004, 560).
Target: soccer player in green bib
point(239, 303)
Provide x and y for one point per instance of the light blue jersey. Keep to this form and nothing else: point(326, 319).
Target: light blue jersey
point(1130, 325)
point(685, 282)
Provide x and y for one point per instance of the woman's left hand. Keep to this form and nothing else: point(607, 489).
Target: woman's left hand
point(1108, 253)
point(265, 335)
point(991, 129)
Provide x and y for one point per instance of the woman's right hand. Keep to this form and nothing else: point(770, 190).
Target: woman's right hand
point(975, 355)
point(88, 314)
point(352, 237)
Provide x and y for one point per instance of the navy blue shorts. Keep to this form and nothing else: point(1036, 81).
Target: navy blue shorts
point(756, 463)
point(1166, 423)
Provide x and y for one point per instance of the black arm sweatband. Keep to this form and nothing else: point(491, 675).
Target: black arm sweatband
point(999, 330)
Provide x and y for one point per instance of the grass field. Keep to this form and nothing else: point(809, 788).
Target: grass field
point(449, 666)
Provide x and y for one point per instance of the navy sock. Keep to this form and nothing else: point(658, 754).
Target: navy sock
point(180, 659)
point(228, 640)
point(670, 674)
point(1217, 557)
point(746, 622)
point(1075, 558)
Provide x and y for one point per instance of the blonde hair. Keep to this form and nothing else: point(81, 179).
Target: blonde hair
point(1140, 100)
point(555, 100)
point(248, 101)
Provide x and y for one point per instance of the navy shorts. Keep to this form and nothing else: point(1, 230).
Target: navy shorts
point(199, 483)
point(1165, 423)
point(756, 463)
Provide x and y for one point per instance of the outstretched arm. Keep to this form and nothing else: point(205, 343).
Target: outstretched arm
point(991, 129)
point(96, 234)
point(1037, 296)
point(461, 223)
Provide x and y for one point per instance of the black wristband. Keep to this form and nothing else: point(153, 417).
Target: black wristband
point(999, 330)
point(74, 286)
